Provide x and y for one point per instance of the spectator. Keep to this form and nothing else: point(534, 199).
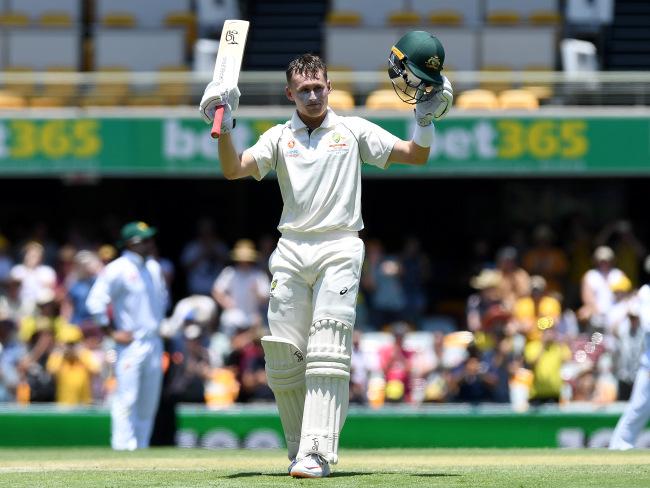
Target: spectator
point(488, 298)
point(472, 381)
point(247, 360)
point(436, 374)
point(382, 282)
point(189, 382)
point(106, 253)
point(6, 262)
point(546, 259)
point(627, 247)
point(39, 333)
point(358, 372)
point(73, 367)
point(32, 273)
point(86, 268)
point(538, 306)
point(11, 353)
point(545, 357)
point(515, 281)
point(416, 272)
point(597, 295)
point(11, 304)
point(242, 288)
point(65, 267)
point(396, 363)
point(194, 309)
point(203, 259)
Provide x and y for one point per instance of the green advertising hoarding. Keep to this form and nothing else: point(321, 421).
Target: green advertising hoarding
point(464, 146)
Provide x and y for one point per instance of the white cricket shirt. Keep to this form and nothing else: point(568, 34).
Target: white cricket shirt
point(136, 289)
point(320, 173)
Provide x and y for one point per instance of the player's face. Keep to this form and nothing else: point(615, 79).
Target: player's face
point(309, 95)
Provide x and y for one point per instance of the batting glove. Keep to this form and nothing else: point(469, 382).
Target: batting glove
point(437, 107)
point(215, 95)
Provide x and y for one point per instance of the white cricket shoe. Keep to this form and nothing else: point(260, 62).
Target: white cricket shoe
point(293, 463)
point(311, 466)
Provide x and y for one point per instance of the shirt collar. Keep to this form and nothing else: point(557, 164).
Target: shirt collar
point(133, 257)
point(331, 119)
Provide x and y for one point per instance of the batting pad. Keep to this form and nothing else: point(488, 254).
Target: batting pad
point(285, 372)
point(328, 388)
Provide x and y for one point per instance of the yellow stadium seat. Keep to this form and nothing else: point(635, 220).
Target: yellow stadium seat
point(48, 102)
point(14, 19)
point(55, 19)
point(343, 18)
point(503, 17)
point(477, 99)
point(341, 100)
point(108, 92)
point(9, 100)
point(518, 99)
point(504, 74)
point(121, 20)
point(145, 101)
point(386, 99)
point(173, 92)
point(53, 93)
point(23, 88)
point(446, 17)
point(541, 89)
point(341, 77)
point(545, 17)
point(403, 18)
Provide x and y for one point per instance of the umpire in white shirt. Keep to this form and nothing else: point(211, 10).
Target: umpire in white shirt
point(133, 285)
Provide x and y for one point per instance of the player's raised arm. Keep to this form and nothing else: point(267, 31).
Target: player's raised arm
point(216, 97)
point(414, 68)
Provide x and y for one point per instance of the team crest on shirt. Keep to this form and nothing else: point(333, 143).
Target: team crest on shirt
point(293, 151)
point(337, 143)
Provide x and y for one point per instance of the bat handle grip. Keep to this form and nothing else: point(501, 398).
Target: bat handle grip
point(216, 124)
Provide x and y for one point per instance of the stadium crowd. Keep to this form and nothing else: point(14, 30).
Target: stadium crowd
point(543, 321)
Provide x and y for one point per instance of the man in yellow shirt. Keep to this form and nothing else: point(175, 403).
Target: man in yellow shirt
point(545, 357)
point(73, 367)
point(529, 310)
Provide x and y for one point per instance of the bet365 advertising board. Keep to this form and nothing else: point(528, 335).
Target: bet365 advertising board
point(558, 145)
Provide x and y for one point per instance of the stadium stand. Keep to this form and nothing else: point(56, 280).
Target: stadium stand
point(477, 99)
point(449, 12)
point(385, 99)
point(518, 99)
point(341, 100)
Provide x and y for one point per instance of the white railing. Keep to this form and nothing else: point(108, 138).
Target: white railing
point(267, 88)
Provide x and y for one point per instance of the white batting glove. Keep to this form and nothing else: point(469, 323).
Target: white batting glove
point(215, 95)
point(228, 121)
point(437, 107)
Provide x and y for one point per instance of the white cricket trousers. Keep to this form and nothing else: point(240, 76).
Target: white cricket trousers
point(315, 277)
point(135, 402)
point(636, 414)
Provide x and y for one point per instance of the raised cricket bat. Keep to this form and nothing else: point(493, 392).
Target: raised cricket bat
point(228, 64)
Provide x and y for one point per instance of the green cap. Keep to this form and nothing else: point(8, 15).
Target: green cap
point(424, 54)
point(136, 231)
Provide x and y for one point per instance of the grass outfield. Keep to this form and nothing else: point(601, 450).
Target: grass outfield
point(93, 467)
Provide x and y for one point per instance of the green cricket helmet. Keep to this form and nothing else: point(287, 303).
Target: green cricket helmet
point(414, 66)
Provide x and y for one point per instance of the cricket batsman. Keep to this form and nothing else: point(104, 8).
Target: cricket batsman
point(317, 156)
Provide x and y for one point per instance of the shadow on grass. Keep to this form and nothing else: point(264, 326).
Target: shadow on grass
point(340, 474)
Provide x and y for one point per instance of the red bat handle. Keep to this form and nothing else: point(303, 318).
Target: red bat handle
point(216, 124)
